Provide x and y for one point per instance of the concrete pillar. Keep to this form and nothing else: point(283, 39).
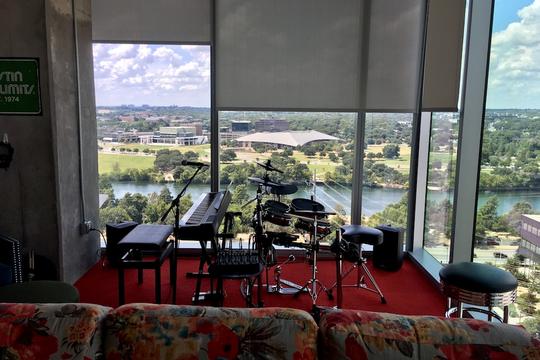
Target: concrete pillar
point(41, 196)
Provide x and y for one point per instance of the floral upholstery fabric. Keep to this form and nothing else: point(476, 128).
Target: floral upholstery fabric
point(51, 331)
point(350, 334)
point(144, 331)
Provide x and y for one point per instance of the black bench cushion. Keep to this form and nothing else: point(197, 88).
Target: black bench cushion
point(146, 237)
point(477, 277)
point(362, 234)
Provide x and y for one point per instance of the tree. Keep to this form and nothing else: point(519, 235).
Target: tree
point(333, 157)
point(390, 151)
point(513, 217)
point(228, 155)
point(165, 195)
point(134, 205)
point(113, 215)
point(487, 218)
point(527, 303)
point(393, 214)
point(287, 152)
point(155, 209)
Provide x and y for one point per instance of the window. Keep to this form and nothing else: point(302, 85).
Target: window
point(386, 169)
point(509, 183)
point(440, 185)
point(312, 152)
point(152, 113)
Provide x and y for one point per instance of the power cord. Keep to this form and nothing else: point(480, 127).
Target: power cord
point(100, 253)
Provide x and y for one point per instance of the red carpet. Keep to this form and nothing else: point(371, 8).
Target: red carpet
point(407, 291)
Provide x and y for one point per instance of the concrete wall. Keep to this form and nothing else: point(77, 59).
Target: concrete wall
point(41, 198)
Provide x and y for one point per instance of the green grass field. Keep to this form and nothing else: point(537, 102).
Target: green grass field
point(202, 150)
point(125, 161)
point(107, 162)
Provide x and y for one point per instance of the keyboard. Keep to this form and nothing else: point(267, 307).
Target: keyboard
point(202, 220)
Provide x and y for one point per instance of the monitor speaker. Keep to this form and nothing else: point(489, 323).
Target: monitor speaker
point(115, 233)
point(389, 254)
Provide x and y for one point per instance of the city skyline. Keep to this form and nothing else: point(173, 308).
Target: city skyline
point(165, 75)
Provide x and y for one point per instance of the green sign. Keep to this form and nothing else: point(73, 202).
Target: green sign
point(19, 86)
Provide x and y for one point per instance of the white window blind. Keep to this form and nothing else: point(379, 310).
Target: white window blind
point(178, 21)
point(345, 55)
point(288, 54)
point(443, 55)
point(394, 52)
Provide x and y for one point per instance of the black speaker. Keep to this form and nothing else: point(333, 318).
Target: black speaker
point(389, 254)
point(115, 233)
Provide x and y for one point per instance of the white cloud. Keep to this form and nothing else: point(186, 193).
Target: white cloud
point(121, 51)
point(152, 74)
point(514, 79)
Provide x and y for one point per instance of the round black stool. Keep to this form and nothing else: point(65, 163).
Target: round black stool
point(480, 285)
point(350, 239)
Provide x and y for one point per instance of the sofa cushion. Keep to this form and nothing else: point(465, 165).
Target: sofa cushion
point(351, 334)
point(145, 331)
point(59, 331)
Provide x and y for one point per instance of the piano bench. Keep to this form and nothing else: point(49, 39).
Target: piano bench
point(146, 247)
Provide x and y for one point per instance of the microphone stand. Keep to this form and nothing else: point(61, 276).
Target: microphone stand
point(175, 204)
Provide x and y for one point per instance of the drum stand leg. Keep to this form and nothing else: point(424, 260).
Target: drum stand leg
point(291, 288)
point(311, 285)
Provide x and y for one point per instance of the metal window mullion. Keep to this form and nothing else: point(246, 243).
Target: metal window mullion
point(358, 169)
point(214, 118)
point(421, 182)
point(470, 132)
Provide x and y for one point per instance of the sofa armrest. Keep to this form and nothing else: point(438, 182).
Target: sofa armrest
point(368, 335)
point(196, 332)
point(56, 331)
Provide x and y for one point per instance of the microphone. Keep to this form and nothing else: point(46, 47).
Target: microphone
point(193, 163)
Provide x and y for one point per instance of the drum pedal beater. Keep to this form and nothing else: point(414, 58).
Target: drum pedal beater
point(291, 288)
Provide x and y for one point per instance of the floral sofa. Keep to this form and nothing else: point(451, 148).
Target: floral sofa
point(146, 331)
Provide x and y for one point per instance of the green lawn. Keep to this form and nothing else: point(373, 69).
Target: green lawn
point(202, 150)
point(107, 162)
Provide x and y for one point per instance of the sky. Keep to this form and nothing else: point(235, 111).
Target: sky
point(158, 75)
point(165, 75)
point(514, 70)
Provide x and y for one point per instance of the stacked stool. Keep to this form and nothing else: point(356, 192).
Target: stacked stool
point(480, 285)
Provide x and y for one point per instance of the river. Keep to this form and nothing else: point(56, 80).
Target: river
point(374, 199)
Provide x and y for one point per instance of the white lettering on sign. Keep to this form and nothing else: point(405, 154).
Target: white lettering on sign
point(12, 89)
point(11, 76)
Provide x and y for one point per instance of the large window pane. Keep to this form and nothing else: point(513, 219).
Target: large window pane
point(152, 113)
point(386, 169)
point(314, 151)
point(509, 191)
point(440, 186)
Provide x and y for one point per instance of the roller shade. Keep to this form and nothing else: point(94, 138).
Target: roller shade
point(178, 21)
point(335, 55)
point(394, 52)
point(288, 54)
point(446, 20)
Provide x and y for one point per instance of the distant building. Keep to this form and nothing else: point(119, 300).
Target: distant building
point(126, 118)
point(241, 126)
point(120, 137)
point(177, 135)
point(270, 125)
point(529, 245)
point(285, 138)
point(229, 135)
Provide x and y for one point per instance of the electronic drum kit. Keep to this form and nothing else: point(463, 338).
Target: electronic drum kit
point(306, 216)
